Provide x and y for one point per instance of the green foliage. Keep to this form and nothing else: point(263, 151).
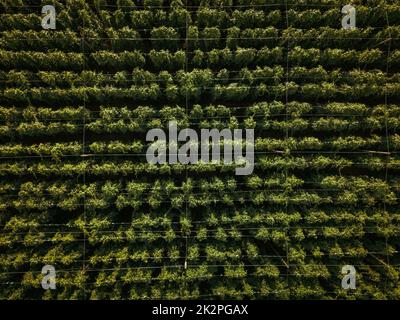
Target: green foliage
point(77, 192)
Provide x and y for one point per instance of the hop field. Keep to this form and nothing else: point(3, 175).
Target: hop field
point(76, 190)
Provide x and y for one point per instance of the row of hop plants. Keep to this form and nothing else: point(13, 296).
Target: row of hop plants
point(203, 16)
point(323, 123)
point(198, 77)
point(368, 125)
point(374, 142)
point(373, 192)
point(236, 92)
point(216, 58)
point(169, 38)
point(249, 251)
point(334, 244)
point(125, 168)
point(214, 238)
point(110, 114)
point(241, 288)
point(270, 218)
point(137, 189)
point(261, 64)
point(285, 146)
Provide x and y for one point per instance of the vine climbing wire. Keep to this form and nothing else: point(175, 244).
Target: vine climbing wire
point(287, 137)
point(186, 44)
point(84, 170)
point(386, 128)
